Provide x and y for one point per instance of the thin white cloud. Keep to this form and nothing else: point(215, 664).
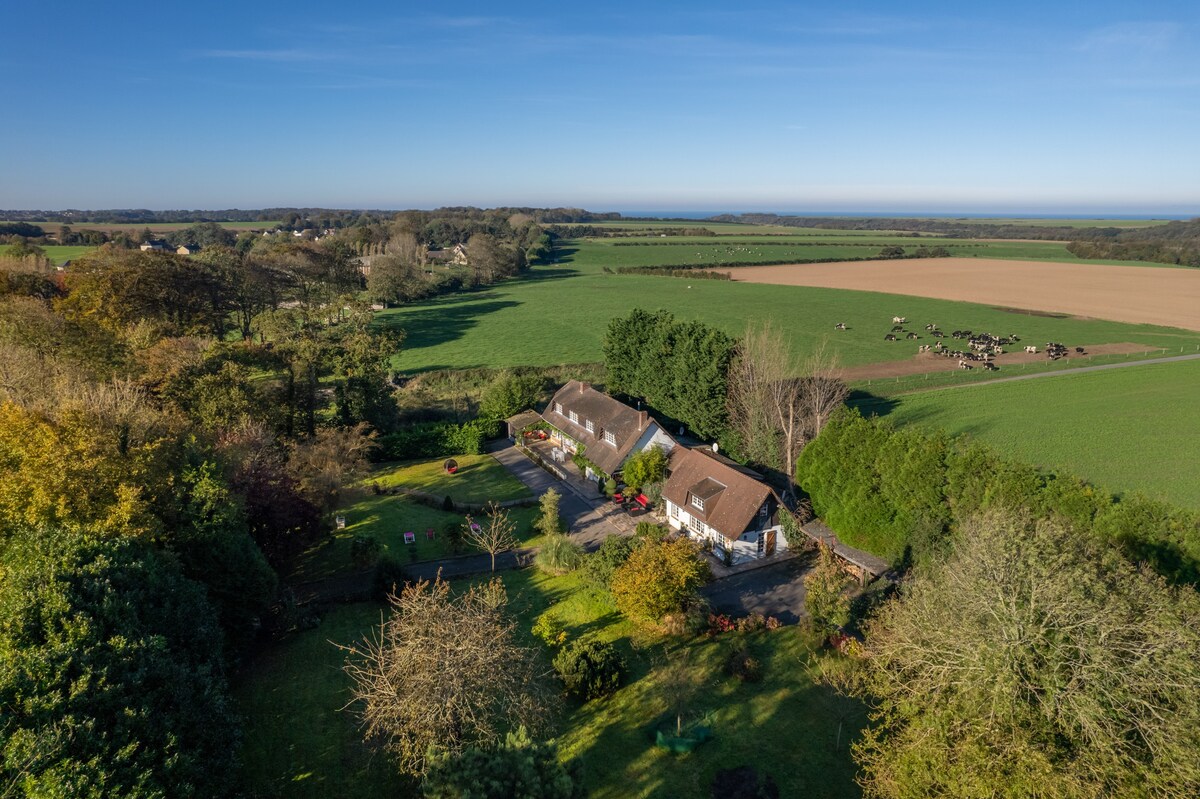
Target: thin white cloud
point(1126, 36)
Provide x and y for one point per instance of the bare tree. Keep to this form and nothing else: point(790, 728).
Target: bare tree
point(822, 389)
point(326, 463)
point(773, 412)
point(764, 399)
point(444, 671)
point(496, 535)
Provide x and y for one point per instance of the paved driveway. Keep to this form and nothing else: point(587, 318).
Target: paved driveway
point(589, 521)
point(776, 590)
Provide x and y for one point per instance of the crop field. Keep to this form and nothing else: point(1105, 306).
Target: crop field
point(749, 250)
point(59, 254)
point(298, 743)
point(1123, 293)
point(1125, 429)
point(558, 314)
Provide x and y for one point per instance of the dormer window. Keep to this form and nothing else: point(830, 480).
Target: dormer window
point(574, 417)
point(697, 503)
point(558, 408)
point(590, 425)
point(609, 438)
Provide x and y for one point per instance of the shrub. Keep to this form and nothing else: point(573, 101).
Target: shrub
point(610, 487)
point(687, 623)
point(448, 504)
point(590, 669)
point(364, 550)
point(599, 566)
point(437, 440)
point(658, 578)
point(389, 576)
point(651, 531)
point(519, 767)
point(647, 466)
point(550, 630)
point(740, 664)
point(743, 782)
point(558, 555)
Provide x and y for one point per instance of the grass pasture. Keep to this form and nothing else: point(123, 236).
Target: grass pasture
point(59, 254)
point(558, 314)
point(299, 745)
point(1130, 429)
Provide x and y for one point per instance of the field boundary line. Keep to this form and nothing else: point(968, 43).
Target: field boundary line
point(1062, 373)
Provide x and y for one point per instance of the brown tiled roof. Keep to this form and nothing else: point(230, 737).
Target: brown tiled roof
point(731, 496)
point(606, 414)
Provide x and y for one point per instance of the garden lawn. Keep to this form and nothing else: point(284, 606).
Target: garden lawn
point(786, 725)
point(1128, 429)
point(297, 743)
point(386, 517)
point(558, 315)
point(480, 478)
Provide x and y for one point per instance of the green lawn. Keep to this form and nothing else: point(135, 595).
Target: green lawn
point(297, 742)
point(1133, 429)
point(558, 314)
point(786, 725)
point(480, 478)
point(386, 517)
point(59, 254)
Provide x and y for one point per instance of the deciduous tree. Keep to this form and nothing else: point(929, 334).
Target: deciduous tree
point(445, 671)
point(1034, 661)
point(658, 578)
point(494, 535)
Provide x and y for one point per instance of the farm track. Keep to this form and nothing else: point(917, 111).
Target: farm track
point(1137, 295)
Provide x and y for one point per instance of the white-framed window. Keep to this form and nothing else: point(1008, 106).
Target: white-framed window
point(697, 503)
point(590, 425)
point(764, 511)
point(609, 438)
point(673, 510)
point(696, 525)
point(574, 417)
point(558, 408)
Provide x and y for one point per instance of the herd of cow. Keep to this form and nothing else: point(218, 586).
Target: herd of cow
point(983, 347)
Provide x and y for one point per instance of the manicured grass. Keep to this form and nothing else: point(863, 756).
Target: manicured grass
point(1133, 429)
point(297, 742)
point(558, 314)
point(59, 254)
point(786, 725)
point(387, 517)
point(480, 478)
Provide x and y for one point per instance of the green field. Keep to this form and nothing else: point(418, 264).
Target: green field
point(558, 314)
point(386, 517)
point(57, 254)
point(1078, 222)
point(1125, 429)
point(299, 745)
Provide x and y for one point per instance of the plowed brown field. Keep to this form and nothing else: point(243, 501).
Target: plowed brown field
point(1136, 294)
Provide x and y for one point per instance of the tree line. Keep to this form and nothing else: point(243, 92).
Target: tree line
point(173, 433)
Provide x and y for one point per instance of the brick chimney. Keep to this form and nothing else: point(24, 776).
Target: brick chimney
point(643, 418)
point(584, 386)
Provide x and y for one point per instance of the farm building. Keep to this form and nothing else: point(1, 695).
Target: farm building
point(724, 506)
point(605, 431)
point(187, 249)
point(155, 245)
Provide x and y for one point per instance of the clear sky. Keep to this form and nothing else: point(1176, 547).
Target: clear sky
point(1018, 106)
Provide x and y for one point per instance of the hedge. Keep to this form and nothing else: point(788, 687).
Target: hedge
point(437, 440)
point(900, 493)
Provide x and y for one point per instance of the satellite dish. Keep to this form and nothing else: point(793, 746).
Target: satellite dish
point(716, 446)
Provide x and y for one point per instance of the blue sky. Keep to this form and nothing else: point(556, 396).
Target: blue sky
point(883, 106)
